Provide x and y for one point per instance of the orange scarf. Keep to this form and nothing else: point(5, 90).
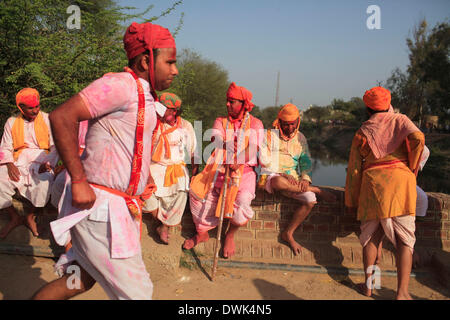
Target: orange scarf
point(203, 183)
point(163, 142)
point(18, 134)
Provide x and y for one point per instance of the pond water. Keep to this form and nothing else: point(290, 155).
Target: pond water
point(328, 174)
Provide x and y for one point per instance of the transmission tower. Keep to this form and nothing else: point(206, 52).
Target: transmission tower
point(278, 89)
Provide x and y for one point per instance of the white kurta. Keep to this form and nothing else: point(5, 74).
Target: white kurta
point(33, 186)
point(171, 201)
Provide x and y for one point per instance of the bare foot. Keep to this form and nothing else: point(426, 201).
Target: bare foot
point(30, 223)
point(229, 247)
point(292, 243)
point(163, 232)
point(362, 288)
point(195, 240)
point(12, 224)
point(405, 296)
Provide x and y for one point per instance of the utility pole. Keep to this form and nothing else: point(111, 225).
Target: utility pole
point(278, 89)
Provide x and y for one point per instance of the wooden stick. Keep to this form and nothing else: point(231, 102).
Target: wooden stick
point(219, 229)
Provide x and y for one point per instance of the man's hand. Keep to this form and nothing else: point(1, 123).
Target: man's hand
point(83, 197)
point(45, 167)
point(13, 172)
point(304, 184)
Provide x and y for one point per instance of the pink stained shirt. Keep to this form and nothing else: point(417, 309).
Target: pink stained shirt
point(248, 181)
point(113, 102)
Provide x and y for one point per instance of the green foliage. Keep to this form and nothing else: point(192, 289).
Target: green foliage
point(202, 85)
point(423, 89)
point(39, 51)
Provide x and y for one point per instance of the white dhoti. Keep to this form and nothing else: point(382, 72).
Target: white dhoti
point(170, 208)
point(396, 229)
point(120, 278)
point(33, 186)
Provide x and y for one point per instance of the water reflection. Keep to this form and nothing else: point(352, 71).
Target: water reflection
point(328, 167)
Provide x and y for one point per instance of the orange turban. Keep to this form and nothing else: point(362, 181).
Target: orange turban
point(377, 98)
point(241, 93)
point(141, 37)
point(288, 112)
point(28, 96)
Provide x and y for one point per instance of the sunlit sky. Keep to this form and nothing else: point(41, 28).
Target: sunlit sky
point(322, 49)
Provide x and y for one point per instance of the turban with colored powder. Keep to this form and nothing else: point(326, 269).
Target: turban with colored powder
point(141, 37)
point(377, 98)
point(288, 112)
point(170, 100)
point(27, 96)
point(241, 93)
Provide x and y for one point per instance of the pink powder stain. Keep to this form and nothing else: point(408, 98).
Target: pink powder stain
point(108, 265)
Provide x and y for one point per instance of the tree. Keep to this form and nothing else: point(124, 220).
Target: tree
point(424, 87)
point(39, 51)
point(202, 86)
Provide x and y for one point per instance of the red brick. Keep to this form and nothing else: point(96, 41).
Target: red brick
point(446, 245)
point(245, 234)
point(270, 206)
point(238, 247)
point(268, 216)
point(267, 249)
point(267, 235)
point(278, 251)
point(323, 237)
point(428, 234)
point(270, 225)
point(299, 235)
point(321, 219)
point(352, 228)
point(323, 228)
point(246, 248)
point(256, 250)
point(256, 224)
point(446, 225)
point(308, 227)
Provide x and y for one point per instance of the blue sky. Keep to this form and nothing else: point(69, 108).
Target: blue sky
point(322, 49)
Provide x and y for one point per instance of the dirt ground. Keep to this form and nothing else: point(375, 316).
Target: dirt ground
point(21, 276)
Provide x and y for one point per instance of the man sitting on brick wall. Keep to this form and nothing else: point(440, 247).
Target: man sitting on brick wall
point(236, 138)
point(286, 167)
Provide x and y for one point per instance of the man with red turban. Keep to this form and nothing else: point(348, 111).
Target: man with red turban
point(174, 142)
point(236, 138)
point(381, 184)
point(26, 167)
point(286, 167)
point(101, 207)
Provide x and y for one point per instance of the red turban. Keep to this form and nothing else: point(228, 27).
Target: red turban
point(377, 98)
point(141, 37)
point(241, 93)
point(27, 96)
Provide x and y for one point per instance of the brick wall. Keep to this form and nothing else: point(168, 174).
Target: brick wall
point(329, 236)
